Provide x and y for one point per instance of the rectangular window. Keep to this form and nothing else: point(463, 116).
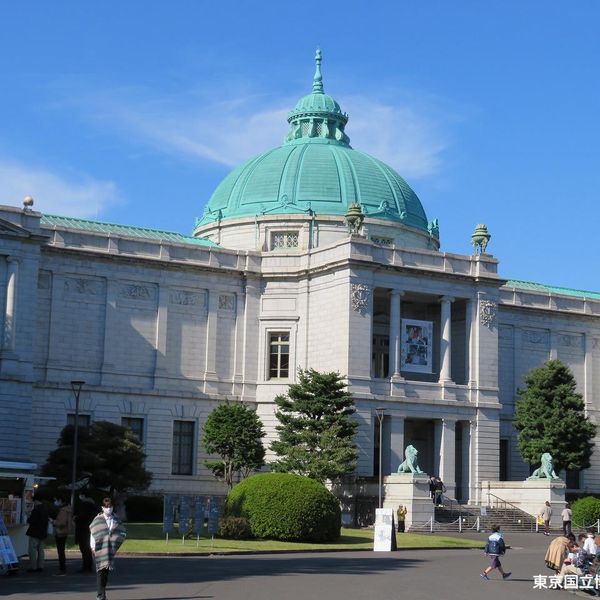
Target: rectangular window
point(284, 239)
point(573, 479)
point(380, 356)
point(136, 424)
point(183, 448)
point(84, 420)
point(279, 355)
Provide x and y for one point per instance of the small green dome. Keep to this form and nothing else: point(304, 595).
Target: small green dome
point(316, 171)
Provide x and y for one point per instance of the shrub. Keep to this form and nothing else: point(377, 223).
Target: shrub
point(144, 509)
point(234, 528)
point(287, 507)
point(586, 511)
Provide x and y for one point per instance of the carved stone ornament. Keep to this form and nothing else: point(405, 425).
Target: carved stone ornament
point(136, 292)
point(226, 302)
point(185, 298)
point(488, 312)
point(359, 295)
point(88, 287)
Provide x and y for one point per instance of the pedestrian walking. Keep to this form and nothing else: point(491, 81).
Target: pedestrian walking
point(85, 511)
point(401, 516)
point(62, 527)
point(37, 533)
point(546, 515)
point(567, 516)
point(106, 536)
point(439, 491)
point(495, 548)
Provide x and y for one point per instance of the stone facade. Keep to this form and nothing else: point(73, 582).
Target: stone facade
point(163, 330)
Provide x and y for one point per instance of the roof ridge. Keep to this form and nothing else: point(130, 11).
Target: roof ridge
point(549, 286)
point(137, 227)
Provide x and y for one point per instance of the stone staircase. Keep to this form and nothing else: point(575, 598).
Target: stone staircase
point(446, 519)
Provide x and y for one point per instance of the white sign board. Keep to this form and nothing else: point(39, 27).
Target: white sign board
point(384, 539)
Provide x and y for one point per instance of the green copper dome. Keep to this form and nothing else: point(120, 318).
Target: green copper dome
point(316, 171)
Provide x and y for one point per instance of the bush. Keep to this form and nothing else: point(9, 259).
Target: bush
point(234, 528)
point(586, 511)
point(287, 507)
point(144, 509)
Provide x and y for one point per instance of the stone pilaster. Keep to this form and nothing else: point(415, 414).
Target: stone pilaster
point(445, 340)
point(395, 333)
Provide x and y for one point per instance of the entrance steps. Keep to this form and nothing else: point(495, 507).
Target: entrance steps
point(447, 519)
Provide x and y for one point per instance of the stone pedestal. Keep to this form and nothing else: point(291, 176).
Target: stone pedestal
point(529, 495)
point(411, 491)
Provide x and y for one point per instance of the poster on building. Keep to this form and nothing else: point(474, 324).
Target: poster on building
point(417, 344)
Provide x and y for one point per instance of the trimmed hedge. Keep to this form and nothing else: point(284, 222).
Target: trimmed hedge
point(586, 511)
point(286, 507)
point(144, 509)
point(234, 528)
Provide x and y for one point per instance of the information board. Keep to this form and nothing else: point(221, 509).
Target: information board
point(8, 556)
point(384, 539)
point(169, 504)
point(184, 515)
point(199, 515)
point(213, 515)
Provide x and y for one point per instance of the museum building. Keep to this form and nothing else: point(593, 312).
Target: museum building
point(313, 254)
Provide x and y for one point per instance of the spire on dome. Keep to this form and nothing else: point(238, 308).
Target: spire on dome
point(318, 78)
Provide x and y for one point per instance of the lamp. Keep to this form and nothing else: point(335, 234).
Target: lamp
point(76, 387)
point(380, 411)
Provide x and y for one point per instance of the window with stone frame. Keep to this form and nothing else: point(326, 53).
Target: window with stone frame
point(280, 240)
point(84, 420)
point(183, 448)
point(279, 355)
point(136, 424)
point(380, 356)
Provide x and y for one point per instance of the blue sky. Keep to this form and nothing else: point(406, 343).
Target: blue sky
point(132, 112)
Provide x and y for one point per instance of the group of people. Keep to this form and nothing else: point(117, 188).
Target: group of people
point(98, 534)
point(570, 555)
point(546, 514)
point(437, 489)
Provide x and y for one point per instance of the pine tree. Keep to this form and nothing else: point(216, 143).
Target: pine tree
point(233, 432)
point(316, 431)
point(550, 417)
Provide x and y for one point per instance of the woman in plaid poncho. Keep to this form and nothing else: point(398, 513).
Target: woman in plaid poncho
point(107, 535)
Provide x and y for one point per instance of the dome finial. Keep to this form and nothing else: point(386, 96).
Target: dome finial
point(318, 78)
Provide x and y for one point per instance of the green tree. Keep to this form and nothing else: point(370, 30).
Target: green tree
point(110, 458)
point(316, 431)
point(550, 417)
point(233, 432)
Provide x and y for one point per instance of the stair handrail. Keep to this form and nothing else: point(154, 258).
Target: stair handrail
point(506, 503)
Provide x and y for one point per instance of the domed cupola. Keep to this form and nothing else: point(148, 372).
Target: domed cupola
point(315, 176)
point(317, 116)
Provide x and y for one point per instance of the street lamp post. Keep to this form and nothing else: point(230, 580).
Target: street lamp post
point(76, 387)
point(380, 414)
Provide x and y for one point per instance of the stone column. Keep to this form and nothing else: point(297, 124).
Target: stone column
point(445, 341)
point(10, 311)
point(162, 317)
point(210, 373)
point(448, 457)
point(395, 333)
point(470, 349)
point(396, 442)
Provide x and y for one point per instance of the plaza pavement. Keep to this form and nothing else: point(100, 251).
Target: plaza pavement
point(410, 574)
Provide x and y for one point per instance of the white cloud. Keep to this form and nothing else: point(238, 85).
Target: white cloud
point(404, 135)
point(79, 196)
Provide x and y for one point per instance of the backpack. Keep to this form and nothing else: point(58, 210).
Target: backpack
point(495, 546)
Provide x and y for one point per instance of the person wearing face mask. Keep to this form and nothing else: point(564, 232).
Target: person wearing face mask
point(107, 533)
point(62, 527)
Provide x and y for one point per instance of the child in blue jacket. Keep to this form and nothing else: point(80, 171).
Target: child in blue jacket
point(495, 548)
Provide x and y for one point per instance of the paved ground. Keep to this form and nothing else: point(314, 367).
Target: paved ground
point(414, 575)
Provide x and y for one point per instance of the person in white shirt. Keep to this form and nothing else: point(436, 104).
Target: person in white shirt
point(567, 515)
point(589, 545)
